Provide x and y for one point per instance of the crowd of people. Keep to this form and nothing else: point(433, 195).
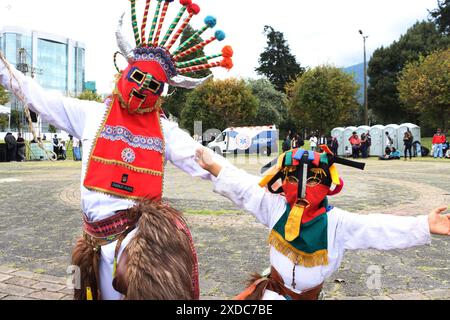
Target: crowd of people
point(16, 147)
point(360, 145)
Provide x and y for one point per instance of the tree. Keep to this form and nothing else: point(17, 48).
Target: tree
point(386, 63)
point(441, 16)
point(271, 107)
point(424, 87)
point(90, 96)
point(276, 62)
point(176, 101)
point(220, 104)
point(323, 98)
point(4, 96)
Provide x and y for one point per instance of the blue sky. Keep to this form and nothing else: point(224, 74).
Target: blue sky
point(318, 32)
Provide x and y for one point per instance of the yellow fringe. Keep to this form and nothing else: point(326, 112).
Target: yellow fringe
point(308, 260)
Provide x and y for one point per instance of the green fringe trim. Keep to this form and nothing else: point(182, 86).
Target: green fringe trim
point(308, 260)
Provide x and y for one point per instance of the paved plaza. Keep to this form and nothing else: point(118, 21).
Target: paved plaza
point(41, 218)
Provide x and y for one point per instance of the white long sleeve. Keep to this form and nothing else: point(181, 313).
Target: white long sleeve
point(243, 189)
point(346, 231)
point(181, 148)
point(382, 232)
point(65, 113)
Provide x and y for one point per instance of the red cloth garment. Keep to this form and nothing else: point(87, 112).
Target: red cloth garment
point(127, 156)
point(439, 139)
point(354, 141)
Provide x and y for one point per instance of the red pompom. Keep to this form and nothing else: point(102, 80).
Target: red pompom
point(186, 2)
point(227, 63)
point(193, 8)
point(227, 52)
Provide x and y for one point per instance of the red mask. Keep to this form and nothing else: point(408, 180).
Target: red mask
point(140, 86)
point(314, 198)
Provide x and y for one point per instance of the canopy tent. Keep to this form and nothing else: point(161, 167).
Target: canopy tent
point(5, 110)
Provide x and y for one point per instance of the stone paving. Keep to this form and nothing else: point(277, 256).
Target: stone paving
point(39, 209)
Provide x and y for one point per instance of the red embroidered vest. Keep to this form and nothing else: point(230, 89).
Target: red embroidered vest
point(127, 158)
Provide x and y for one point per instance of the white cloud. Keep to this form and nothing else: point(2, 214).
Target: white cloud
point(318, 32)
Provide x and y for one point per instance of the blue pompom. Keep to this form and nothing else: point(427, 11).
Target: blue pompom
point(220, 35)
point(210, 21)
point(169, 0)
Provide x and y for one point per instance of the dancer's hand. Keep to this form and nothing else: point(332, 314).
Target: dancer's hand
point(204, 158)
point(439, 223)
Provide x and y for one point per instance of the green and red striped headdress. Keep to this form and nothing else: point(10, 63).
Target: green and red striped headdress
point(159, 46)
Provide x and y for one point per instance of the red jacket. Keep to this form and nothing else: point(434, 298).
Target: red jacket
point(439, 139)
point(354, 141)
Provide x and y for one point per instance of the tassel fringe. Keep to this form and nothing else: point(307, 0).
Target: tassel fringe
point(308, 260)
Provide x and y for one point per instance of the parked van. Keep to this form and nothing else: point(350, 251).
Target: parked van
point(248, 140)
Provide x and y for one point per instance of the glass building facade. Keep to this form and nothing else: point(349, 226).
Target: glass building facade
point(57, 63)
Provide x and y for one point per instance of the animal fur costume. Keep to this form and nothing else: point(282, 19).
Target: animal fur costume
point(155, 265)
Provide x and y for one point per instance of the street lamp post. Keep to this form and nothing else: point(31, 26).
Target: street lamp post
point(366, 100)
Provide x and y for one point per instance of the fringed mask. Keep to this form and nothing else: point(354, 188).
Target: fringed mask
point(305, 178)
point(151, 65)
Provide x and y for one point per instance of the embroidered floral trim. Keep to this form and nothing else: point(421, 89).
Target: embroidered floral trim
point(119, 133)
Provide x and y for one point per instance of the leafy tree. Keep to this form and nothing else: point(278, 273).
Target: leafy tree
point(220, 104)
point(176, 101)
point(4, 96)
point(424, 87)
point(323, 98)
point(90, 95)
point(441, 16)
point(4, 121)
point(277, 62)
point(386, 63)
point(271, 108)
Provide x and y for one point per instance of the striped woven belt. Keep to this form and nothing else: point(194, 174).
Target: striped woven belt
point(108, 230)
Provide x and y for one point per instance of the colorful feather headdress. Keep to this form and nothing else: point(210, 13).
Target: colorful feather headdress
point(159, 46)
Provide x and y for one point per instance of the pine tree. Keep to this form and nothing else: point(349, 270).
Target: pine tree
point(277, 62)
point(441, 16)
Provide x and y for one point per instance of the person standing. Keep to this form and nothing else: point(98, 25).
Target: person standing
point(355, 141)
point(11, 146)
point(287, 144)
point(313, 142)
point(334, 145)
point(56, 145)
point(408, 142)
point(76, 149)
point(438, 143)
point(364, 146)
point(389, 141)
point(20, 148)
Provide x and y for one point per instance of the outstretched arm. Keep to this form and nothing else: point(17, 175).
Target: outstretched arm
point(243, 189)
point(180, 150)
point(64, 113)
point(387, 232)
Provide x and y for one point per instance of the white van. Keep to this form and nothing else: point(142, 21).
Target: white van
point(248, 140)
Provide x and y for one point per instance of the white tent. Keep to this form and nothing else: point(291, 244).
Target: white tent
point(5, 110)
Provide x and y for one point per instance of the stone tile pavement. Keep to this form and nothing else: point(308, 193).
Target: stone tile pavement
point(18, 284)
point(39, 210)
